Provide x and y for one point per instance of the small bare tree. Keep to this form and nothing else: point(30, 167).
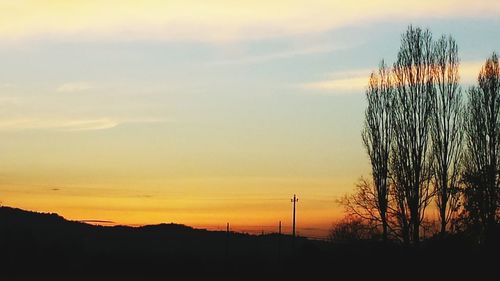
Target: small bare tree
point(377, 136)
point(352, 229)
point(363, 204)
point(446, 129)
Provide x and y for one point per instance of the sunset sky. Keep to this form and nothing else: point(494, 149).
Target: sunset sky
point(202, 112)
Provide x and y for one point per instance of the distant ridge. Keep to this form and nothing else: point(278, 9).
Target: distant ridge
point(47, 244)
point(15, 216)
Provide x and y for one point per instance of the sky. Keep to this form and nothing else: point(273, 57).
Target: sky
point(202, 112)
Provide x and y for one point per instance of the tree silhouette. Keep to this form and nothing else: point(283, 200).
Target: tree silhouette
point(446, 129)
point(377, 136)
point(483, 149)
point(351, 229)
point(418, 130)
point(414, 83)
point(363, 204)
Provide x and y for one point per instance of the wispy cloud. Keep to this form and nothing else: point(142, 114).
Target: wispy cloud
point(64, 124)
point(58, 124)
point(6, 85)
point(91, 124)
point(356, 81)
point(340, 83)
point(8, 100)
point(251, 59)
point(469, 71)
point(72, 87)
point(98, 222)
point(214, 21)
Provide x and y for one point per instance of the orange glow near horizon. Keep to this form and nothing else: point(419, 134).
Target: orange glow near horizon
point(250, 209)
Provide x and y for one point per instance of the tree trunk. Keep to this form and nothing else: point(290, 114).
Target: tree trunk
point(443, 223)
point(384, 227)
point(406, 233)
point(415, 220)
point(416, 230)
point(444, 203)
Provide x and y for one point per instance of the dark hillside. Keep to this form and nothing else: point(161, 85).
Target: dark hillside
point(39, 243)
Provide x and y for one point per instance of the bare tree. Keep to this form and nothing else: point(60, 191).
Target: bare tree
point(351, 229)
point(446, 129)
point(377, 136)
point(363, 204)
point(483, 148)
point(413, 80)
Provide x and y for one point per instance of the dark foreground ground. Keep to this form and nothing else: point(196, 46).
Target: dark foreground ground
point(46, 246)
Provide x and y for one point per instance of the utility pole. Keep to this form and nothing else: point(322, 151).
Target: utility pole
point(294, 200)
point(279, 242)
point(227, 241)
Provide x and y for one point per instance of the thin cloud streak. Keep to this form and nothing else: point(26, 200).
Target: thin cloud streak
point(97, 221)
point(58, 124)
point(73, 87)
point(356, 81)
point(340, 83)
point(280, 55)
point(70, 124)
point(6, 85)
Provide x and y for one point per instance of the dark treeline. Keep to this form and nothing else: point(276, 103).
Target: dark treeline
point(429, 142)
point(47, 247)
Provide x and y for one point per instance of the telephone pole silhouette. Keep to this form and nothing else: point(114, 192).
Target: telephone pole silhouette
point(279, 242)
point(227, 241)
point(294, 200)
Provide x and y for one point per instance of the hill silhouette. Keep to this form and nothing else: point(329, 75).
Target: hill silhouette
point(49, 243)
point(40, 243)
